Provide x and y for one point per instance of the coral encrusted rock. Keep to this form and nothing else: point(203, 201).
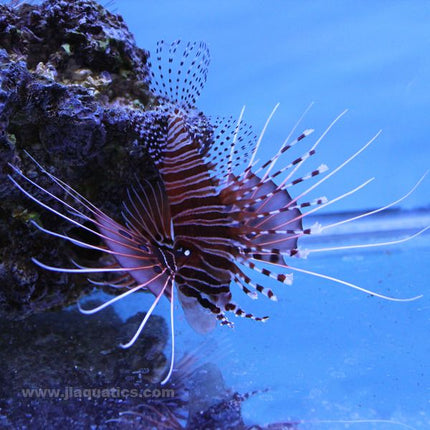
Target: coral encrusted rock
point(73, 92)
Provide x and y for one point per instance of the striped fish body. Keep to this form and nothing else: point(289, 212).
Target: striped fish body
point(216, 222)
point(202, 228)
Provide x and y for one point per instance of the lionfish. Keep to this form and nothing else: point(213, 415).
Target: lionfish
point(216, 212)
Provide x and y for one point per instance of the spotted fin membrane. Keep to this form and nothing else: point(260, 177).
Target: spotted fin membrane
point(179, 72)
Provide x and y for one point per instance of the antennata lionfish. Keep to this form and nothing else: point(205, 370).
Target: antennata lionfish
point(216, 211)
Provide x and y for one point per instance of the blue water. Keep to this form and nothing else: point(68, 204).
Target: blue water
point(370, 57)
point(327, 352)
point(328, 356)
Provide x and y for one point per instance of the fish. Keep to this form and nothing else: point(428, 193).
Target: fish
point(214, 214)
point(233, 210)
point(202, 222)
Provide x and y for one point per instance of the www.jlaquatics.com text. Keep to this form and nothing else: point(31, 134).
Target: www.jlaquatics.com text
point(90, 393)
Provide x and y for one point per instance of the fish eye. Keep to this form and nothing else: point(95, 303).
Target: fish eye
point(184, 251)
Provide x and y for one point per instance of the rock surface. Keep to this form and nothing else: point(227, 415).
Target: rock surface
point(73, 92)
